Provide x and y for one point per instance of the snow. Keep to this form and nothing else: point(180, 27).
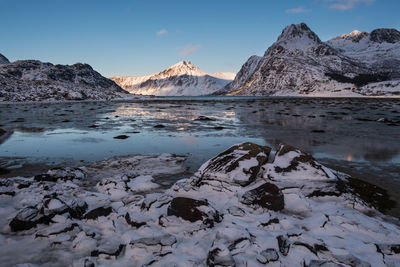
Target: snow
point(35, 81)
point(138, 229)
point(298, 64)
point(181, 79)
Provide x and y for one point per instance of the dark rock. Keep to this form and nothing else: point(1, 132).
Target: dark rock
point(133, 223)
point(388, 249)
point(220, 257)
point(283, 244)
point(268, 255)
point(97, 212)
point(271, 221)
point(2, 132)
point(45, 178)
point(121, 137)
point(4, 171)
point(267, 196)
point(204, 118)
point(28, 218)
point(218, 128)
point(164, 240)
point(77, 208)
point(371, 194)
point(187, 209)
point(318, 131)
point(115, 253)
point(159, 126)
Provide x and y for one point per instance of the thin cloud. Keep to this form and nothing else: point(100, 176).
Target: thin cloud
point(297, 10)
point(348, 4)
point(189, 49)
point(161, 32)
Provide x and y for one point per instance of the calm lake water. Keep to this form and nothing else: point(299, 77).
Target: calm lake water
point(357, 136)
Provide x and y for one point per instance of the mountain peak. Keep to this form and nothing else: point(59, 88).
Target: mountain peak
point(184, 63)
point(3, 59)
point(298, 31)
point(295, 37)
point(182, 68)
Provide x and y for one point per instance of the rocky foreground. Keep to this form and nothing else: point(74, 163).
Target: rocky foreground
point(245, 207)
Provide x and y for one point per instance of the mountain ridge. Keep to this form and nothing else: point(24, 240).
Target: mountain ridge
point(33, 80)
point(299, 63)
point(181, 79)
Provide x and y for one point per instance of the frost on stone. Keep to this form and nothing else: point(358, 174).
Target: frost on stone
point(239, 209)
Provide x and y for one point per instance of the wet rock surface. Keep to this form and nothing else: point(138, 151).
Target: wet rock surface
point(246, 206)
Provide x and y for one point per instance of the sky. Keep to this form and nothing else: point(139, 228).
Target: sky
point(123, 37)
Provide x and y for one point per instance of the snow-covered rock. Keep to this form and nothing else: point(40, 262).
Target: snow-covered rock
point(245, 207)
point(181, 79)
point(32, 80)
point(299, 63)
point(3, 59)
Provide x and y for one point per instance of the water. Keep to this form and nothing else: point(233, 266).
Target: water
point(344, 134)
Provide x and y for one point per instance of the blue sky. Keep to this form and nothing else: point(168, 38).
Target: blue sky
point(124, 37)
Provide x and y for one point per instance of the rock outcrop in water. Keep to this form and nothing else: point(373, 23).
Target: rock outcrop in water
point(32, 80)
point(245, 207)
point(299, 63)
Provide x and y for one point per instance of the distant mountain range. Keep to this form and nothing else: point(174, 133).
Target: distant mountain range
point(299, 63)
point(183, 78)
point(32, 80)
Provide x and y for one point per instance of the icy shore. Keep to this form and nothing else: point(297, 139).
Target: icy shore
point(246, 206)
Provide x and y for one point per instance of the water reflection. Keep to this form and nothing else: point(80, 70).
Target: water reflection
point(342, 129)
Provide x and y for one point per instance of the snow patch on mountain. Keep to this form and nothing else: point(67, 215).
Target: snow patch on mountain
point(181, 79)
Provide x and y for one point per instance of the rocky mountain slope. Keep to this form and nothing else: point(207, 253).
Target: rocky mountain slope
point(32, 80)
point(299, 63)
point(3, 59)
point(181, 79)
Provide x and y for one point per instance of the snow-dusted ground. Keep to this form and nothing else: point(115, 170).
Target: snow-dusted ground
point(246, 206)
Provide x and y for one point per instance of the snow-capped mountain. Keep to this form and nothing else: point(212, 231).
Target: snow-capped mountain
point(181, 79)
point(299, 63)
point(378, 49)
point(32, 80)
point(3, 59)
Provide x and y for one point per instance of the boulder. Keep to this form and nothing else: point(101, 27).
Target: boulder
point(267, 196)
point(193, 210)
point(239, 165)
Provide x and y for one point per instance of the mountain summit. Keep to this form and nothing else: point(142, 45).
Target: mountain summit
point(181, 79)
point(299, 63)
